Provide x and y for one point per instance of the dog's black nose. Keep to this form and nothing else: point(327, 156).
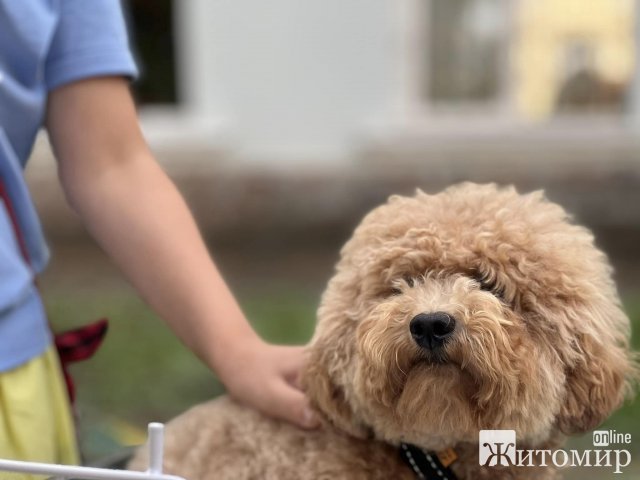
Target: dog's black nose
point(431, 330)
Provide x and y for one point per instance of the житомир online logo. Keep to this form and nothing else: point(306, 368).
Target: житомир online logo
point(499, 448)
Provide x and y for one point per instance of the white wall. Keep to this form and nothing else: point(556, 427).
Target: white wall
point(293, 79)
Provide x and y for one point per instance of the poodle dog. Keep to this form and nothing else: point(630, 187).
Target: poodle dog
point(474, 309)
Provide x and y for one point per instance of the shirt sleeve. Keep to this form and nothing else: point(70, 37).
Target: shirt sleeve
point(89, 41)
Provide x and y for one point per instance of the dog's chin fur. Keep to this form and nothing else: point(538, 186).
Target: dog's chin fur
point(540, 346)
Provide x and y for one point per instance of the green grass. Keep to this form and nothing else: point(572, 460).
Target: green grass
point(142, 373)
point(626, 420)
point(628, 417)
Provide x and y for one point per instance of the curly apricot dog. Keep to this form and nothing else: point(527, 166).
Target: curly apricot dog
point(473, 309)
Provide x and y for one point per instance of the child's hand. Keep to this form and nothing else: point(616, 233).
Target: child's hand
point(265, 377)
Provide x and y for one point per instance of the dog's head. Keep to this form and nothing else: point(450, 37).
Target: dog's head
point(476, 308)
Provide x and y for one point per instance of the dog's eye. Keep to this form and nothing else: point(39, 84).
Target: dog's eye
point(398, 285)
point(389, 292)
point(488, 285)
point(408, 280)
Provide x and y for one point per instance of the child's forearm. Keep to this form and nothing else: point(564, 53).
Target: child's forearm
point(136, 214)
point(138, 217)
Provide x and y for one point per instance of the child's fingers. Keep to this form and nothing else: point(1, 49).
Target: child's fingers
point(292, 405)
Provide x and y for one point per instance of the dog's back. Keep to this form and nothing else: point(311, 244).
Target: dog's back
point(222, 440)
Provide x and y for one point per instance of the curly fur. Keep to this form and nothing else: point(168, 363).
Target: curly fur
point(541, 346)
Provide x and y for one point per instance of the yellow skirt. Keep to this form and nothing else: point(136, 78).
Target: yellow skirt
point(35, 416)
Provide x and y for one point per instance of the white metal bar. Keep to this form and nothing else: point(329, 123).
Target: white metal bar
point(72, 471)
point(156, 445)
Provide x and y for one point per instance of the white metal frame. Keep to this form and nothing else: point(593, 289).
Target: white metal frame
point(156, 447)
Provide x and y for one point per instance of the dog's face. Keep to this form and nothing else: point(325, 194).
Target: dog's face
point(476, 308)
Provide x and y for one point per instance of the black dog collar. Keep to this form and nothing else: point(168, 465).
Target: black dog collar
point(429, 465)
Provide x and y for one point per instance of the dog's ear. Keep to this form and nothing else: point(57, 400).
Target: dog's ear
point(325, 380)
point(599, 364)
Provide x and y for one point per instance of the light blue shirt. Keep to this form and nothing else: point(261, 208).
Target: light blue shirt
point(44, 44)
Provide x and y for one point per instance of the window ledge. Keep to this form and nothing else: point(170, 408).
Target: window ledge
point(443, 129)
point(167, 127)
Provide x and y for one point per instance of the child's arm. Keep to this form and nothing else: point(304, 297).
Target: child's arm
point(134, 211)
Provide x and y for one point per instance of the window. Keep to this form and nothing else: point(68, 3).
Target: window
point(466, 41)
point(530, 60)
point(153, 40)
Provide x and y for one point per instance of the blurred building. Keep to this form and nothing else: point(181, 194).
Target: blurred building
point(356, 99)
point(287, 80)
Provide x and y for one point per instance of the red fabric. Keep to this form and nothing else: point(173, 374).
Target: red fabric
point(77, 345)
point(73, 345)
